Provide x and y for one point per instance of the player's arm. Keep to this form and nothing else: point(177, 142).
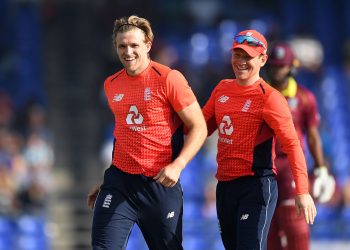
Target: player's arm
point(184, 102)
point(92, 195)
point(315, 145)
point(312, 121)
point(197, 132)
point(278, 117)
point(324, 183)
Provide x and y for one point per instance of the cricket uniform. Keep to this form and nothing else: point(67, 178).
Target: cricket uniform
point(289, 231)
point(148, 136)
point(248, 118)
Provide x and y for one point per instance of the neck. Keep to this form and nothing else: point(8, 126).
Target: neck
point(248, 82)
point(140, 69)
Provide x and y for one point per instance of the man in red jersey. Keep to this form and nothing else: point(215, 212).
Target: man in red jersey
point(248, 113)
point(150, 103)
point(288, 231)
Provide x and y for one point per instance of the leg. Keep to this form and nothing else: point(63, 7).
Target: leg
point(113, 217)
point(274, 237)
point(110, 228)
point(226, 208)
point(255, 213)
point(295, 228)
point(161, 219)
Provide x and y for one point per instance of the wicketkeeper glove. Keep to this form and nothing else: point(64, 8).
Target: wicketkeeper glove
point(324, 184)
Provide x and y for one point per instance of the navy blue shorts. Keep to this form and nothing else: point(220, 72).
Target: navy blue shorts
point(245, 207)
point(126, 199)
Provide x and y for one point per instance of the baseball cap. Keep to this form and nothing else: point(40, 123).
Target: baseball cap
point(251, 41)
point(281, 54)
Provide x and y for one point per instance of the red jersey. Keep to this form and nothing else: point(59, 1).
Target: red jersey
point(148, 132)
point(248, 118)
point(303, 106)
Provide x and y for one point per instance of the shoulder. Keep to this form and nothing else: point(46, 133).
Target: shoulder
point(168, 74)
point(115, 76)
point(270, 94)
point(266, 89)
point(160, 69)
point(303, 90)
point(225, 84)
point(306, 95)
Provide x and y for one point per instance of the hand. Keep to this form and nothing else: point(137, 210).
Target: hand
point(92, 195)
point(324, 185)
point(304, 204)
point(169, 175)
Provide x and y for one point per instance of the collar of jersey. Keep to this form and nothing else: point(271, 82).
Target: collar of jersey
point(291, 89)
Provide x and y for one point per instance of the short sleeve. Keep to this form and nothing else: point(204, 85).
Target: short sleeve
point(180, 94)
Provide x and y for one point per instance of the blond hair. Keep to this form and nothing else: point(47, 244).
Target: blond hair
point(128, 23)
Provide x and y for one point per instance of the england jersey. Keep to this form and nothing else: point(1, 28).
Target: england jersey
point(148, 132)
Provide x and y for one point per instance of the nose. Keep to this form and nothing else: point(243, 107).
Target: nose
point(128, 50)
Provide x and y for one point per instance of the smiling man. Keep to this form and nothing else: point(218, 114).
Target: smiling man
point(249, 113)
point(150, 103)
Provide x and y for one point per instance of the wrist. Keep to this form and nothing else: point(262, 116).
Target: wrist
point(180, 162)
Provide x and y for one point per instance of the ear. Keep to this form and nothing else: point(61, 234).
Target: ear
point(148, 46)
point(263, 60)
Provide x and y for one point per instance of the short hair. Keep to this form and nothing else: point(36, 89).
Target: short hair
point(128, 23)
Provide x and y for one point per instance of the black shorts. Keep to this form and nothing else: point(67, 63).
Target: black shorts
point(245, 207)
point(126, 199)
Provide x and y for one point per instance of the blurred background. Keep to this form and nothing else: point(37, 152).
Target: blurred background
point(55, 127)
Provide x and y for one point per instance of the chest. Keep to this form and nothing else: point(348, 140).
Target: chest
point(146, 99)
point(241, 109)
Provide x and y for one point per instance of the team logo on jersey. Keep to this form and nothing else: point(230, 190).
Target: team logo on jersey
point(135, 118)
point(223, 98)
point(226, 127)
point(147, 94)
point(246, 105)
point(118, 97)
point(107, 201)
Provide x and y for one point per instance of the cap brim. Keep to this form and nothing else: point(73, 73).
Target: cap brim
point(251, 51)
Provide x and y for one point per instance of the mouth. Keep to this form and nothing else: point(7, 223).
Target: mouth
point(129, 59)
point(241, 67)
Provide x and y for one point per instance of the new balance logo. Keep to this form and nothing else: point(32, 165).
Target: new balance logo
point(134, 117)
point(226, 127)
point(170, 215)
point(246, 105)
point(244, 216)
point(223, 99)
point(107, 201)
point(118, 97)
